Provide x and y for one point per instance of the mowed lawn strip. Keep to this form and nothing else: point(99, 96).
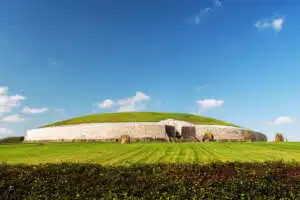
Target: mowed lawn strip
point(188, 155)
point(264, 151)
point(202, 156)
point(147, 153)
point(144, 155)
point(231, 152)
point(160, 152)
point(118, 154)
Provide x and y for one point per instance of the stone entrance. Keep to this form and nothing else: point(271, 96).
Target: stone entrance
point(171, 132)
point(188, 132)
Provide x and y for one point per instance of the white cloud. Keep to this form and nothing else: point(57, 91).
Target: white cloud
point(208, 104)
point(202, 15)
point(3, 90)
point(218, 3)
point(7, 103)
point(276, 24)
point(13, 118)
point(28, 110)
point(282, 120)
point(4, 132)
point(205, 12)
point(134, 103)
point(107, 103)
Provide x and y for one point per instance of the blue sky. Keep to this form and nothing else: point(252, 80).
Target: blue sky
point(232, 60)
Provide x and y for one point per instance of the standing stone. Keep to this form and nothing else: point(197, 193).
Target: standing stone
point(125, 139)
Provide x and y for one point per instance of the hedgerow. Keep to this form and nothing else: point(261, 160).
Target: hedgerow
point(8, 140)
point(276, 180)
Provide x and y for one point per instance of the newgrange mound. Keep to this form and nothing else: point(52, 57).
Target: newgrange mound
point(140, 117)
point(141, 126)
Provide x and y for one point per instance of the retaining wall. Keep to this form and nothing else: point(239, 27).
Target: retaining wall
point(227, 133)
point(108, 132)
point(113, 131)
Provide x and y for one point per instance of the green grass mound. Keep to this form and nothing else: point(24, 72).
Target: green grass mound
point(140, 117)
point(271, 180)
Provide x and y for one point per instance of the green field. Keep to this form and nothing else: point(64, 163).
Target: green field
point(148, 153)
point(141, 117)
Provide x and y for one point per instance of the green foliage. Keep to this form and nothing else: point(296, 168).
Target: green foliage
point(208, 137)
point(12, 140)
point(218, 180)
point(141, 117)
point(279, 137)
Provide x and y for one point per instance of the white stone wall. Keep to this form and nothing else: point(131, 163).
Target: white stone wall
point(225, 132)
point(103, 131)
point(96, 131)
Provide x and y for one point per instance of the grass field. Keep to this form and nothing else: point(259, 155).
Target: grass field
point(140, 117)
point(148, 153)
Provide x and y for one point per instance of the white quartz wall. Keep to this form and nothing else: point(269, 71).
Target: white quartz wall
point(96, 132)
point(226, 132)
point(102, 131)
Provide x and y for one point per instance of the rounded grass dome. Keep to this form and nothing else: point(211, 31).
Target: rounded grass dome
point(140, 117)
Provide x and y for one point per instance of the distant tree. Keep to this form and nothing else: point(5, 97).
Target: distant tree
point(208, 137)
point(12, 140)
point(279, 137)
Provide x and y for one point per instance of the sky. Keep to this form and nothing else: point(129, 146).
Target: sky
point(234, 60)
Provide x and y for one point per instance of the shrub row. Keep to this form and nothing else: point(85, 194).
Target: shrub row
point(274, 180)
point(11, 140)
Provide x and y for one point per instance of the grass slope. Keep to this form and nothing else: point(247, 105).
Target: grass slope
point(140, 117)
point(148, 153)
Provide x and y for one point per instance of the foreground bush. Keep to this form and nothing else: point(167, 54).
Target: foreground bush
point(174, 181)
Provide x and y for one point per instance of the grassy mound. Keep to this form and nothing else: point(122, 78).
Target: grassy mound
point(140, 117)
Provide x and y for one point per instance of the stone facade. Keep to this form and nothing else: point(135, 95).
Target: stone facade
point(97, 132)
point(227, 133)
point(143, 131)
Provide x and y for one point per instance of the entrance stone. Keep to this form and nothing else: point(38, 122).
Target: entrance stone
point(125, 139)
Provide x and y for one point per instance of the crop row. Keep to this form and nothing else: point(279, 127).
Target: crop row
point(270, 180)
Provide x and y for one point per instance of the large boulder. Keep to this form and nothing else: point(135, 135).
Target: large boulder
point(125, 139)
